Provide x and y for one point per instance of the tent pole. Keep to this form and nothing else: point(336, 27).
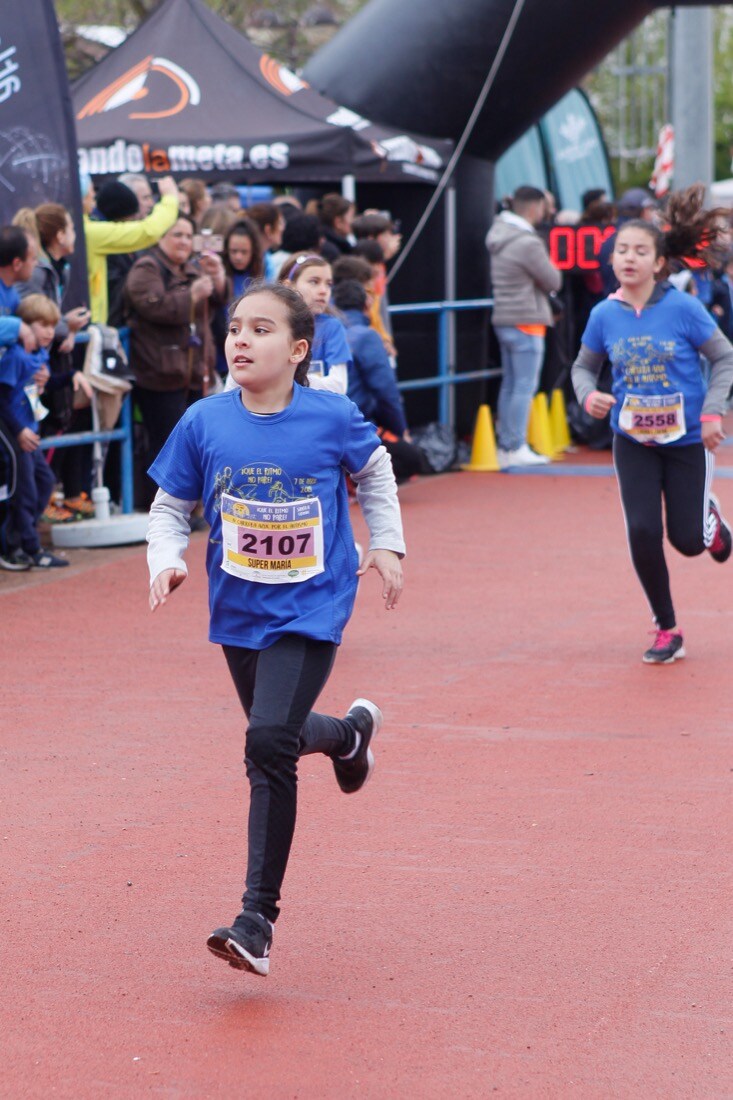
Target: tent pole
point(348, 188)
point(448, 402)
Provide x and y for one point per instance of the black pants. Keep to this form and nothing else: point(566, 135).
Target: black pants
point(160, 412)
point(277, 688)
point(36, 483)
point(73, 465)
point(9, 451)
point(681, 476)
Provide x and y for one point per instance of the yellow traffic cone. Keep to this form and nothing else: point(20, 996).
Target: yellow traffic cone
point(539, 433)
point(483, 451)
point(559, 421)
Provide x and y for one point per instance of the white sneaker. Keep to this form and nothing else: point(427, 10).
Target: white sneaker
point(502, 457)
point(525, 456)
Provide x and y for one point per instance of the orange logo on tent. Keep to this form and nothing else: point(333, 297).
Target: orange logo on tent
point(283, 80)
point(131, 87)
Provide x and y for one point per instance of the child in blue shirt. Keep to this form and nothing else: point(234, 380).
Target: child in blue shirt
point(267, 459)
point(23, 376)
point(243, 255)
point(312, 277)
point(10, 322)
point(18, 252)
point(665, 417)
point(243, 263)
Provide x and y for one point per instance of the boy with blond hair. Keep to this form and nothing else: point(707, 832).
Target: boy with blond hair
point(23, 376)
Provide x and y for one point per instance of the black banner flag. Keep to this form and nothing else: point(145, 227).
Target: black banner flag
point(38, 158)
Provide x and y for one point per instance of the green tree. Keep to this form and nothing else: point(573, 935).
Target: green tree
point(723, 84)
point(629, 91)
point(290, 30)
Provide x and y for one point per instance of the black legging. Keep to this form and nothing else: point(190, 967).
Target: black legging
point(277, 687)
point(682, 476)
point(160, 412)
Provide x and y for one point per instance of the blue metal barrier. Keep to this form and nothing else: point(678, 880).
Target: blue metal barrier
point(443, 380)
point(123, 434)
point(446, 375)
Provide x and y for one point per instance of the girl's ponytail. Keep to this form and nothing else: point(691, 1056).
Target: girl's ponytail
point(692, 231)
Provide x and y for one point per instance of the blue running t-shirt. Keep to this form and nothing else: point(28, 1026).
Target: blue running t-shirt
point(330, 345)
point(654, 352)
point(219, 447)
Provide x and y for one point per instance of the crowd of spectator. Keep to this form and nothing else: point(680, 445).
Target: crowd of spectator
point(165, 261)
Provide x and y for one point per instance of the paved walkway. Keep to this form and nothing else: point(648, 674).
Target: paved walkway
point(531, 898)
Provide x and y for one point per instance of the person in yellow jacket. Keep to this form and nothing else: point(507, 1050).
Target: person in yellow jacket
point(106, 238)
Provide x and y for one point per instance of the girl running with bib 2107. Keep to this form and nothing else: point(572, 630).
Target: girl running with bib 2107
point(666, 420)
point(268, 461)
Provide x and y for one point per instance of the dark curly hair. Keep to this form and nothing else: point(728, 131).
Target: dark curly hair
point(300, 318)
point(691, 232)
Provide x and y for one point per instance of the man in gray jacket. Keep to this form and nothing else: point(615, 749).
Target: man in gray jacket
point(522, 278)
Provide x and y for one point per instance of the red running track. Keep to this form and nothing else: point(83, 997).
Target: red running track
point(532, 897)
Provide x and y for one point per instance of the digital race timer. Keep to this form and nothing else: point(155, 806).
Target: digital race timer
point(576, 247)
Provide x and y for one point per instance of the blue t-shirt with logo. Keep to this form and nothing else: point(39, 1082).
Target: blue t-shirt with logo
point(330, 345)
point(219, 447)
point(9, 322)
point(17, 367)
point(654, 352)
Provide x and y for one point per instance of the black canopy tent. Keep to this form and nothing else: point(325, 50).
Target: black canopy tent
point(188, 94)
point(428, 61)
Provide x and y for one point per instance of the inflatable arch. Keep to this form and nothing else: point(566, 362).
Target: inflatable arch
point(422, 65)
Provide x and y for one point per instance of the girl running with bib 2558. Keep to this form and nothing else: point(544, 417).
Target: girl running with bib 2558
point(268, 461)
point(666, 420)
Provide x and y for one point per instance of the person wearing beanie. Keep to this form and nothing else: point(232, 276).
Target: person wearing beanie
point(637, 202)
point(115, 235)
point(117, 202)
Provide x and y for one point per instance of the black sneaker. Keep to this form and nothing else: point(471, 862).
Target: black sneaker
point(44, 559)
point(246, 945)
point(668, 647)
point(16, 561)
point(352, 773)
point(720, 548)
